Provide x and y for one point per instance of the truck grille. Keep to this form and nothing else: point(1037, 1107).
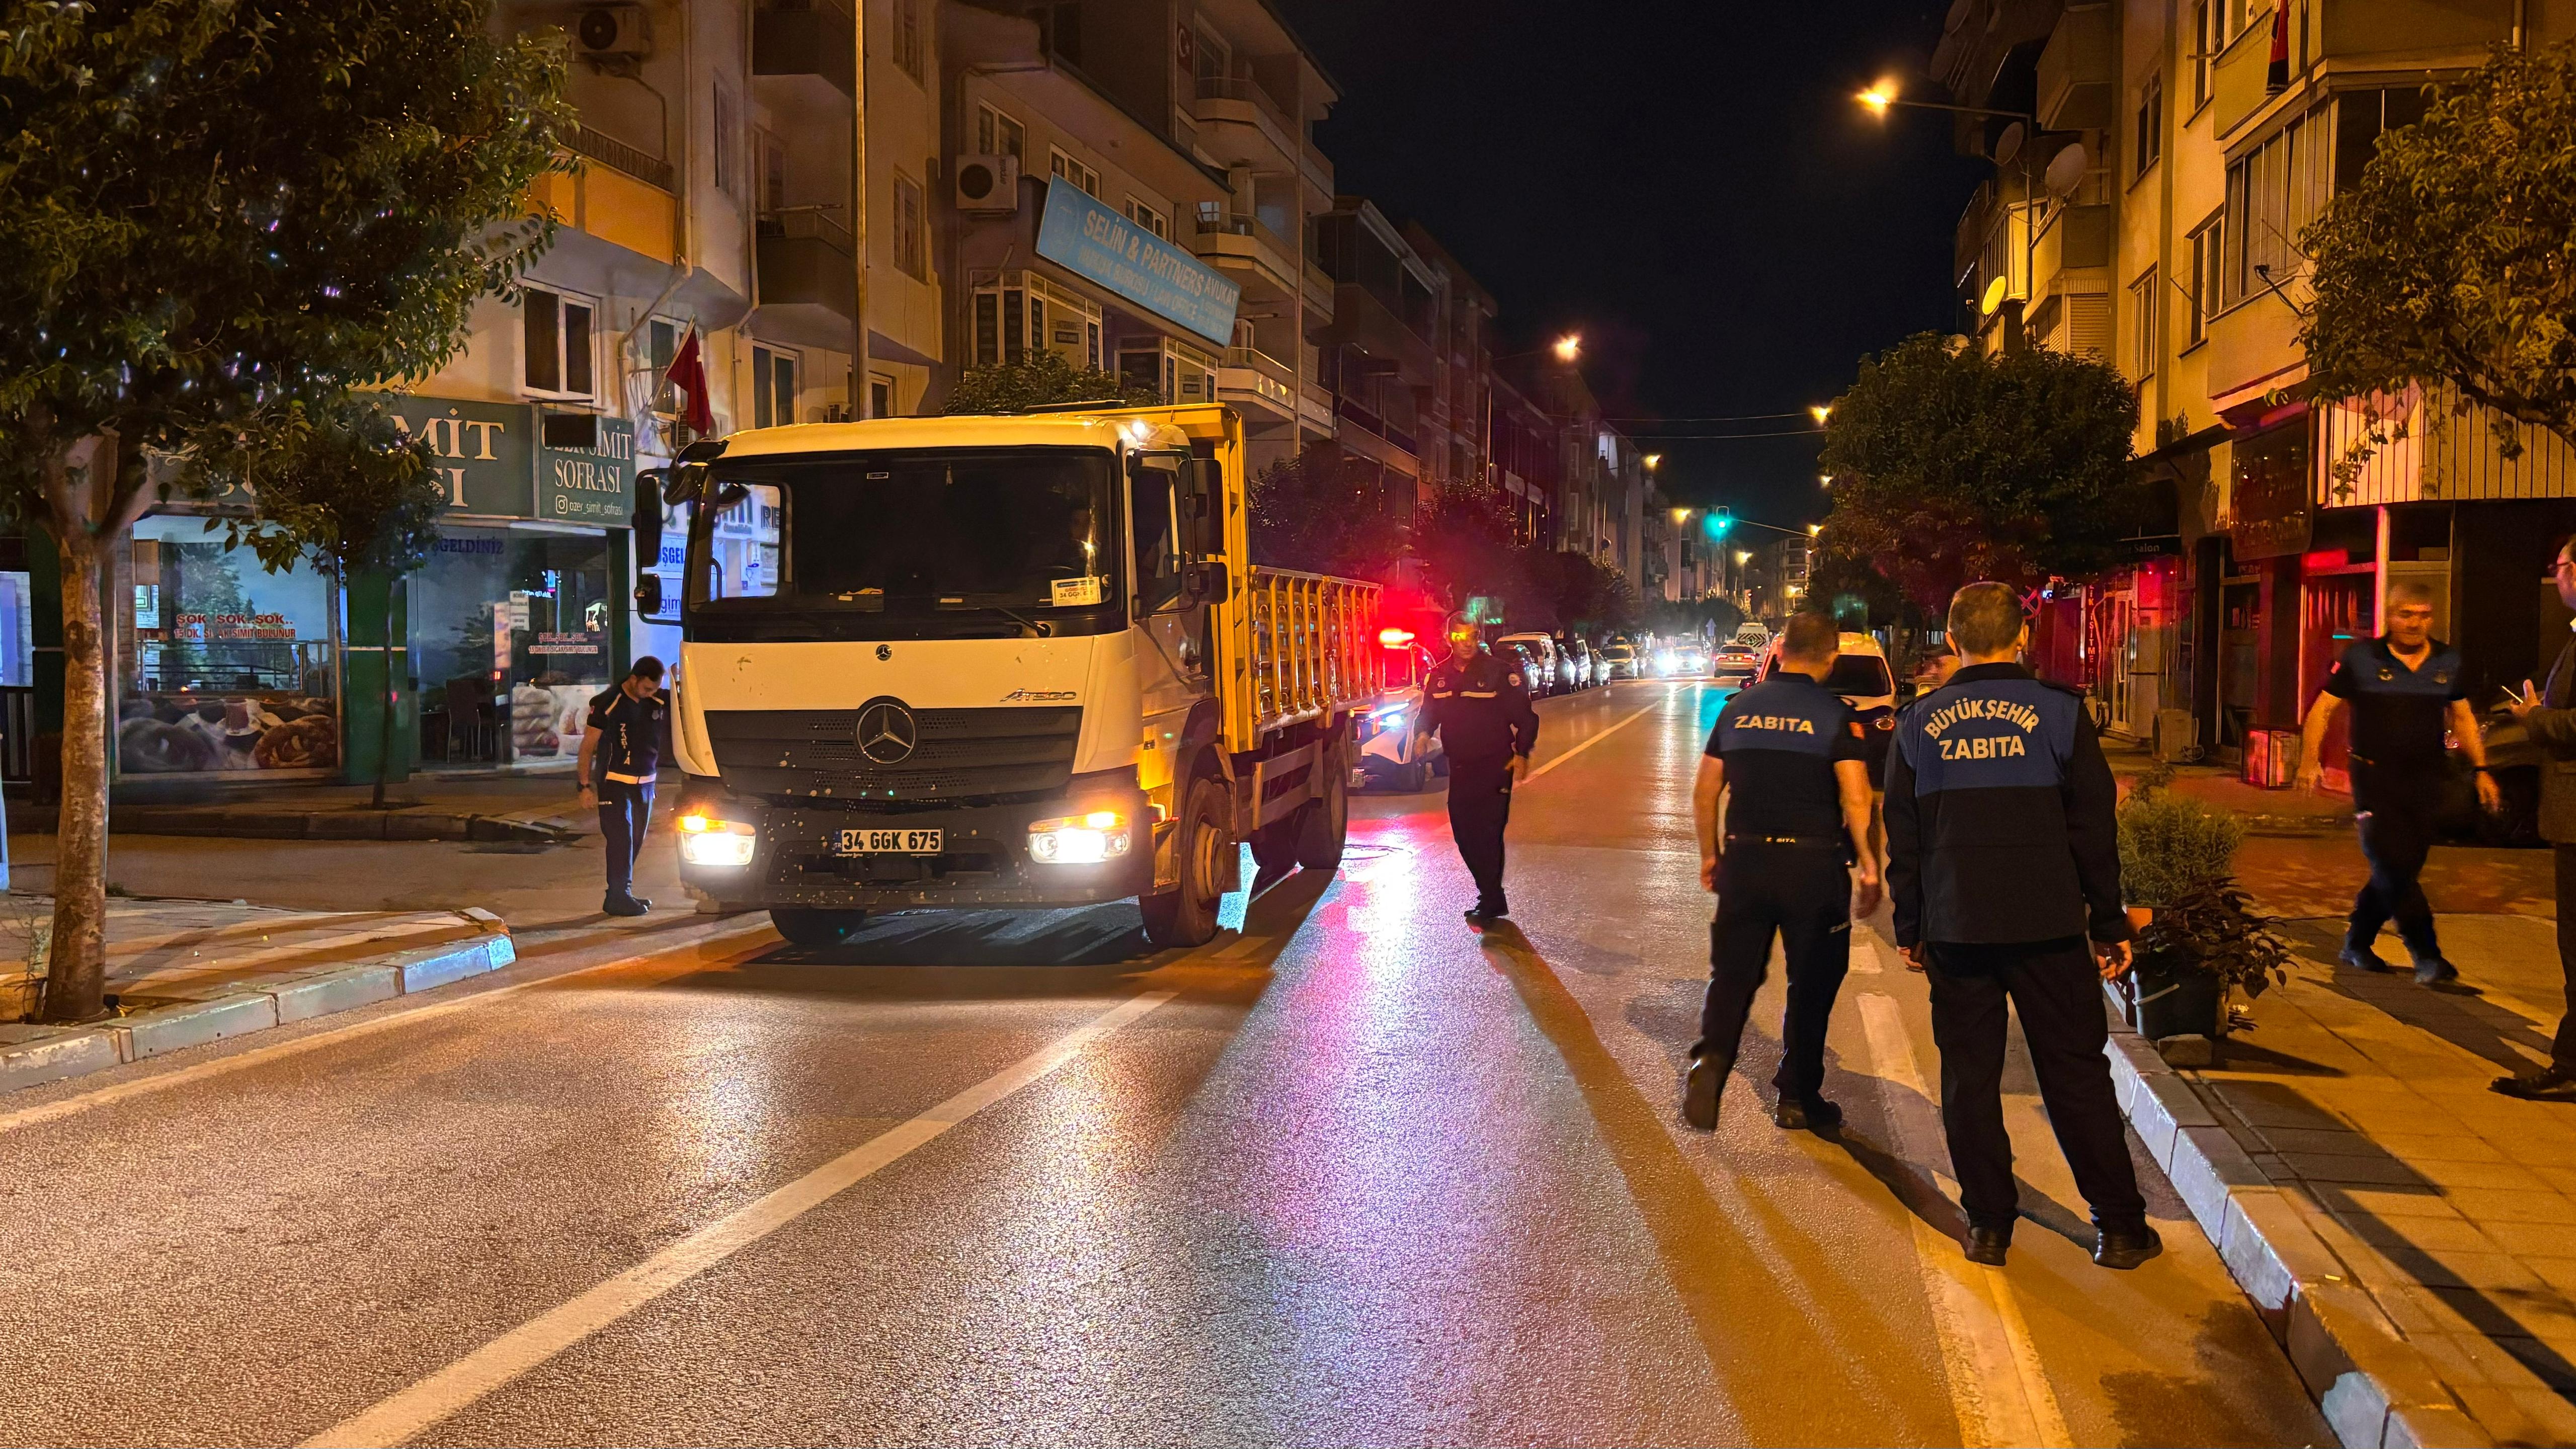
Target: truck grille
point(812, 754)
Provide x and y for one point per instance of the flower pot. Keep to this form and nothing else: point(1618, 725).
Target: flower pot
point(2170, 997)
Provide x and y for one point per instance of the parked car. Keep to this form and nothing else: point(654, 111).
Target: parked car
point(1861, 676)
point(1735, 662)
point(1391, 756)
point(1542, 652)
point(1580, 660)
point(1619, 660)
point(1681, 659)
point(1518, 656)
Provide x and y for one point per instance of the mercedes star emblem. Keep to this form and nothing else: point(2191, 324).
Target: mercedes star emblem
point(884, 652)
point(886, 733)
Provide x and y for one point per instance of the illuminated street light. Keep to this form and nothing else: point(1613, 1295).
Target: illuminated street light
point(1743, 557)
point(1681, 515)
point(1567, 346)
point(1820, 412)
point(1824, 480)
point(1814, 529)
point(1652, 459)
point(1878, 98)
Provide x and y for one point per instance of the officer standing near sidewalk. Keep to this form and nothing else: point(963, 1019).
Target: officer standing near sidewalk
point(623, 738)
point(1791, 762)
point(2004, 869)
point(2405, 688)
point(1481, 707)
point(2549, 712)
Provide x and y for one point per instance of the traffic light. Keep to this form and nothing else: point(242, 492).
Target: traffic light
point(1720, 522)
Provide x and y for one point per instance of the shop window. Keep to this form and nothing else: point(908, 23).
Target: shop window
point(998, 134)
point(773, 388)
point(558, 344)
point(509, 642)
point(229, 668)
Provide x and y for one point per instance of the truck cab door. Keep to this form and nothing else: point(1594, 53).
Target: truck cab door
point(1174, 667)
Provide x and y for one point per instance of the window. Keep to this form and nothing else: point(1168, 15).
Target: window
point(728, 142)
point(907, 227)
point(2202, 293)
point(907, 36)
point(996, 134)
point(2273, 192)
point(2142, 326)
point(2151, 124)
point(1074, 171)
point(773, 388)
point(661, 344)
point(1210, 64)
point(557, 332)
point(1148, 218)
point(2204, 50)
point(880, 397)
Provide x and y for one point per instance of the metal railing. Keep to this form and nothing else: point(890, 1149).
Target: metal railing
point(608, 151)
point(1260, 361)
point(1243, 88)
point(806, 222)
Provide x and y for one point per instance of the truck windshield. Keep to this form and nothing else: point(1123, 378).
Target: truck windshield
point(907, 545)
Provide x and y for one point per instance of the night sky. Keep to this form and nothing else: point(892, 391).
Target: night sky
point(1689, 185)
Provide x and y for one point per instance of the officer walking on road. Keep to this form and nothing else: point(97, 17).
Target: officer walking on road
point(2004, 870)
point(2405, 687)
point(1481, 707)
point(1790, 760)
point(623, 741)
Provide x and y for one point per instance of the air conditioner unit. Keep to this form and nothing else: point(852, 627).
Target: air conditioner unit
point(988, 184)
point(607, 32)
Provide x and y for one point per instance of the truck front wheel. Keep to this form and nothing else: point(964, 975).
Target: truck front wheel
point(1186, 914)
point(1325, 820)
point(811, 926)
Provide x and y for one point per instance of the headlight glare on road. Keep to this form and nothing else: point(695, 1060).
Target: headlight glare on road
point(705, 840)
point(1086, 839)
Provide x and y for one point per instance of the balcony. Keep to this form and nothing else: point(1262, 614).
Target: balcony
point(2074, 251)
point(806, 37)
point(620, 195)
point(1258, 259)
point(2368, 35)
point(808, 274)
point(1318, 292)
point(1258, 385)
point(1240, 123)
point(2076, 79)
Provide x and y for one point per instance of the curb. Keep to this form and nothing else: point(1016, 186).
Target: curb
point(2377, 1391)
point(312, 825)
point(285, 999)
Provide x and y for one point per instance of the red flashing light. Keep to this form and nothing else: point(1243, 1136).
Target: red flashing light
point(1394, 638)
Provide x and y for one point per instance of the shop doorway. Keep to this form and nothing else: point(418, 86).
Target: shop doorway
point(510, 639)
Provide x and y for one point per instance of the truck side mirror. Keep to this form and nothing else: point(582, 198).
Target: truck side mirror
point(1210, 582)
point(1206, 487)
point(682, 484)
point(648, 595)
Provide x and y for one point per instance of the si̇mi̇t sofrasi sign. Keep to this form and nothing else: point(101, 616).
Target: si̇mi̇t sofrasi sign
point(1092, 241)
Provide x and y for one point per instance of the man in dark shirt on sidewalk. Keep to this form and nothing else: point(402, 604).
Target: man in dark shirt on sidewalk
point(2004, 872)
point(2404, 689)
point(623, 742)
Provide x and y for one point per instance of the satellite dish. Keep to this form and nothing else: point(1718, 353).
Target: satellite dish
point(2008, 144)
point(1994, 297)
point(2066, 171)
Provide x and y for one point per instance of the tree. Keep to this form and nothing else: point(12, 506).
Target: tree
point(1312, 514)
point(358, 495)
point(1950, 466)
point(1040, 377)
point(2447, 264)
point(215, 210)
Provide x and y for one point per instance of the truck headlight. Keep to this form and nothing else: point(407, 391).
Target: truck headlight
point(705, 840)
point(1079, 839)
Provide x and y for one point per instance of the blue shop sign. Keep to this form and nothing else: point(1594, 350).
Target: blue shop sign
point(1095, 242)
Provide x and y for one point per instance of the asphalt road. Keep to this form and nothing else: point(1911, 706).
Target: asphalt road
point(1352, 1175)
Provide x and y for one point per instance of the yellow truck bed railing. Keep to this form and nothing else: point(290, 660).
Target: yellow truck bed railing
point(1312, 646)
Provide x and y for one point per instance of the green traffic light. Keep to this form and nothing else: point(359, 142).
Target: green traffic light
point(1718, 524)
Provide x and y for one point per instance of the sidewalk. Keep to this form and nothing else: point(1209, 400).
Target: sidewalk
point(537, 809)
point(2411, 1234)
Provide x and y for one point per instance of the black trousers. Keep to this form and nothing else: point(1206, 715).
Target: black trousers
point(1480, 804)
point(2058, 994)
point(1802, 893)
point(2562, 1052)
point(2396, 820)
point(624, 812)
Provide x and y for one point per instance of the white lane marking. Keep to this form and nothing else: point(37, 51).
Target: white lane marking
point(407, 1414)
point(1239, 946)
point(1589, 743)
point(1997, 1383)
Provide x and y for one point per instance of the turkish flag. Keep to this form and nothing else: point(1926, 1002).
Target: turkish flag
point(2276, 76)
point(688, 373)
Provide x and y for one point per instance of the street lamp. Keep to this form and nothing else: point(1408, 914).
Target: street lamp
point(1567, 346)
point(1824, 480)
point(1882, 96)
point(1652, 460)
point(1820, 412)
point(1815, 530)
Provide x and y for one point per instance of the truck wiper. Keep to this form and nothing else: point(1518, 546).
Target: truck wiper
point(1039, 627)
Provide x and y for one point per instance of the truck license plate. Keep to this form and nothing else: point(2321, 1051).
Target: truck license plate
point(886, 842)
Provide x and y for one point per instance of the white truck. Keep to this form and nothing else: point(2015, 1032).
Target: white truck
point(1018, 661)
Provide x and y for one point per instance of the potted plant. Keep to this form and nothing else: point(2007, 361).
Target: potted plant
point(2198, 935)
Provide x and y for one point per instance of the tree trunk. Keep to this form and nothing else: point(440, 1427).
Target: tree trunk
point(393, 697)
point(76, 975)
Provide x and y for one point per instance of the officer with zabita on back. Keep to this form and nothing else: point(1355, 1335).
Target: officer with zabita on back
point(2003, 873)
point(1788, 763)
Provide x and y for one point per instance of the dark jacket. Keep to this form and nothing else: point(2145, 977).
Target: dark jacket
point(1481, 709)
point(1999, 816)
point(2553, 728)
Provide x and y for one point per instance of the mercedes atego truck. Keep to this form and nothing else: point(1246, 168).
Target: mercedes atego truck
point(1017, 661)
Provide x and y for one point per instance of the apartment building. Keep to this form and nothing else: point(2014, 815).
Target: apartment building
point(1523, 459)
point(1601, 500)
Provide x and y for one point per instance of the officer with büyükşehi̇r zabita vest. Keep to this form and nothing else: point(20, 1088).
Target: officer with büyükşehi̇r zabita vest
point(2004, 873)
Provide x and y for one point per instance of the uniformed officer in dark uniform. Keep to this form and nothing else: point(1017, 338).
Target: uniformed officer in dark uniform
point(1481, 707)
point(2405, 688)
point(622, 740)
point(1790, 759)
point(2004, 868)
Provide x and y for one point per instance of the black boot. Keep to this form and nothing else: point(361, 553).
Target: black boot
point(1800, 1114)
point(2126, 1247)
point(1701, 1086)
point(619, 903)
point(1988, 1245)
point(2542, 1084)
point(2360, 957)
